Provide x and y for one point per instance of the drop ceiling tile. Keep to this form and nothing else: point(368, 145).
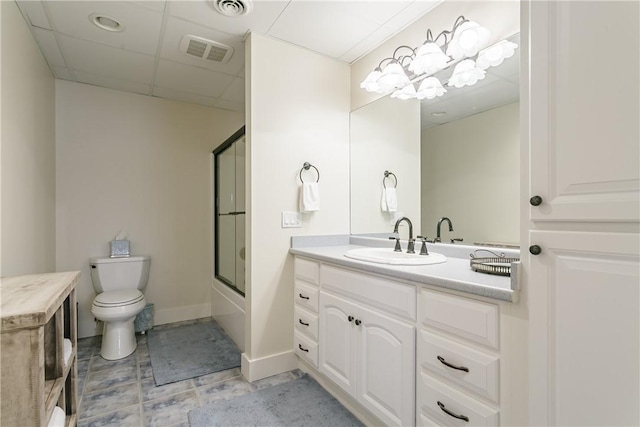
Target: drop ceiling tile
point(107, 61)
point(378, 12)
point(162, 92)
point(411, 13)
point(35, 13)
point(235, 91)
point(157, 5)
point(141, 25)
point(177, 28)
point(230, 105)
point(259, 20)
point(372, 41)
point(63, 73)
point(49, 46)
point(328, 30)
point(111, 83)
point(185, 78)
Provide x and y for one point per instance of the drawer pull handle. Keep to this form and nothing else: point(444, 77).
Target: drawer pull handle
point(302, 348)
point(302, 323)
point(451, 414)
point(350, 318)
point(445, 363)
point(303, 297)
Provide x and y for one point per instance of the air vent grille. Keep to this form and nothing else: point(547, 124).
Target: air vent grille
point(207, 50)
point(232, 8)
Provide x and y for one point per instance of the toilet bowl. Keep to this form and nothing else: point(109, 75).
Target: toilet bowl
point(118, 283)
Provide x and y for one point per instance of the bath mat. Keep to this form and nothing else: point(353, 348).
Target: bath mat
point(300, 403)
point(190, 351)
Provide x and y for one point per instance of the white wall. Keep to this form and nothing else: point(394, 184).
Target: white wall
point(141, 164)
point(501, 17)
point(385, 135)
point(484, 201)
point(298, 110)
point(28, 151)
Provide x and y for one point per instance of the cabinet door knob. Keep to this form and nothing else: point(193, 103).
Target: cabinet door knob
point(535, 250)
point(358, 322)
point(535, 201)
point(350, 318)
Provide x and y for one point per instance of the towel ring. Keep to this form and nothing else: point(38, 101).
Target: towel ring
point(386, 175)
point(306, 167)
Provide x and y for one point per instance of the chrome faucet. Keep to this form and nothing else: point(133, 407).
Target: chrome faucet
point(444, 218)
point(410, 244)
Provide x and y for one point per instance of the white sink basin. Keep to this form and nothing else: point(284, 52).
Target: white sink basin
point(388, 256)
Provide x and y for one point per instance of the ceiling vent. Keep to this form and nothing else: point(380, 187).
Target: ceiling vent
point(232, 8)
point(208, 50)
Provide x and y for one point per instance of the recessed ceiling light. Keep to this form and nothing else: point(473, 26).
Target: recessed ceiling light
point(438, 113)
point(232, 8)
point(106, 23)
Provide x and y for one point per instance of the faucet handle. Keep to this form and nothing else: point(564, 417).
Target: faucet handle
point(423, 249)
point(398, 248)
point(456, 240)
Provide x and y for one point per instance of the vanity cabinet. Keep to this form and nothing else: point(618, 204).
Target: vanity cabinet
point(39, 348)
point(305, 338)
point(583, 271)
point(458, 361)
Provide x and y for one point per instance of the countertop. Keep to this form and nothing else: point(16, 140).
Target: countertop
point(30, 301)
point(455, 274)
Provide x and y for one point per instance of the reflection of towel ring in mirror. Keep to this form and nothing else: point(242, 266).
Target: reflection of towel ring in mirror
point(306, 167)
point(386, 175)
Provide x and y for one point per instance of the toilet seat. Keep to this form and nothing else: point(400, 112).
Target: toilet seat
point(118, 298)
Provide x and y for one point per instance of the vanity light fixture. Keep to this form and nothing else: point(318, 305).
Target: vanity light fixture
point(465, 46)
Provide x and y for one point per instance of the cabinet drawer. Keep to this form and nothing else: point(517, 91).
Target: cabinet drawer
point(305, 348)
point(483, 369)
point(306, 296)
point(430, 391)
point(394, 297)
point(306, 322)
point(470, 319)
point(306, 270)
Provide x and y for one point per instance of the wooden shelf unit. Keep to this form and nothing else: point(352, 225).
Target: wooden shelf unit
point(38, 313)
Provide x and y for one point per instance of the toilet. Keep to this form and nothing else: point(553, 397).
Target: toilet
point(119, 283)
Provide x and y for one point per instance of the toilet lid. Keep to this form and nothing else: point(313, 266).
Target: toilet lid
point(119, 298)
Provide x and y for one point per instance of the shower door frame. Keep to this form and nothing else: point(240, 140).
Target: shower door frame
point(216, 206)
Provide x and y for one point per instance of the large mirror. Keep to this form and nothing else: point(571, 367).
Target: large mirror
point(456, 156)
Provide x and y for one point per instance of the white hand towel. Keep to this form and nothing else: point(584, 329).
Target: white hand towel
point(389, 200)
point(309, 197)
point(68, 349)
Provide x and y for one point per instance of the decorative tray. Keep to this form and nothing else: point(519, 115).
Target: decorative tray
point(496, 264)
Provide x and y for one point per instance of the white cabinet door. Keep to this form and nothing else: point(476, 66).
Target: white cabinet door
point(386, 381)
point(338, 346)
point(584, 295)
point(584, 133)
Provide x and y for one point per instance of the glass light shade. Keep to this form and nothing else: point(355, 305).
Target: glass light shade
point(467, 40)
point(407, 92)
point(466, 73)
point(370, 84)
point(393, 77)
point(430, 88)
point(429, 59)
point(496, 54)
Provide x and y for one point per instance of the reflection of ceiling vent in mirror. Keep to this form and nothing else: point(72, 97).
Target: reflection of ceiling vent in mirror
point(207, 50)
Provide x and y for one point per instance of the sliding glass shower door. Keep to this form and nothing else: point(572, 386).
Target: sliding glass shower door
point(229, 161)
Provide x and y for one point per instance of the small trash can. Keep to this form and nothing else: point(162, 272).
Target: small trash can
point(144, 319)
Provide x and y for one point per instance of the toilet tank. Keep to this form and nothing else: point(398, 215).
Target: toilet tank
point(109, 274)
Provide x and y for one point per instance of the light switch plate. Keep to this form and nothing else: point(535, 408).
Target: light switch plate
point(291, 219)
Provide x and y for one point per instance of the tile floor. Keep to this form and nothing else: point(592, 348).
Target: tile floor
point(123, 393)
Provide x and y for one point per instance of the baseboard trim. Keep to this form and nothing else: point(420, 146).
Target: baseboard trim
point(179, 314)
point(257, 369)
